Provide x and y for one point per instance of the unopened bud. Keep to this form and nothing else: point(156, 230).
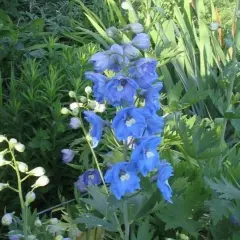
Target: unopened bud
point(75, 105)
point(88, 90)
point(38, 222)
point(59, 237)
point(113, 33)
point(2, 138)
point(30, 197)
point(12, 142)
point(83, 99)
point(7, 219)
point(92, 104)
point(3, 186)
point(72, 94)
point(214, 26)
point(100, 107)
point(3, 162)
point(136, 27)
point(64, 111)
point(22, 167)
point(41, 182)
point(53, 221)
point(37, 172)
point(19, 147)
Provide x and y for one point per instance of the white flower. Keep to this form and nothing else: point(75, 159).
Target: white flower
point(37, 172)
point(3, 186)
point(64, 111)
point(100, 107)
point(41, 182)
point(88, 90)
point(7, 219)
point(30, 197)
point(38, 222)
point(22, 167)
point(3, 161)
point(19, 147)
point(75, 105)
point(53, 221)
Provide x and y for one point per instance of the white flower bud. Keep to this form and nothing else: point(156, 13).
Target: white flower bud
point(214, 26)
point(126, 6)
point(22, 167)
point(72, 94)
point(53, 221)
point(37, 172)
point(3, 161)
point(100, 107)
point(92, 104)
point(2, 138)
point(41, 182)
point(64, 111)
point(7, 219)
point(75, 105)
point(83, 99)
point(30, 197)
point(3, 186)
point(38, 222)
point(12, 142)
point(59, 237)
point(88, 90)
point(19, 147)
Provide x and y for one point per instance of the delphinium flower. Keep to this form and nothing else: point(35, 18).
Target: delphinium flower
point(67, 155)
point(132, 86)
point(75, 123)
point(88, 178)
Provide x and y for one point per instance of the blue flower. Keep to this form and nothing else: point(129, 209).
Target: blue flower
point(165, 171)
point(67, 155)
point(155, 123)
point(97, 125)
point(145, 155)
point(141, 41)
point(136, 27)
point(117, 59)
point(129, 122)
point(144, 71)
point(99, 82)
point(88, 178)
point(131, 52)
point(234, 221)
point(152, 97)
point(75, 123)
point(15, 237)
point(122, 178)
point(100, 61)
point(120, 91)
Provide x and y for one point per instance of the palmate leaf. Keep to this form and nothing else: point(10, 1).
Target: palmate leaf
point(224, 188)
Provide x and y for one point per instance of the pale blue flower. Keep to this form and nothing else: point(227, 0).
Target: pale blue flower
point(67, 155)
point(100, 61)
point(75, 123)
point(141, 41)
point(131, 52)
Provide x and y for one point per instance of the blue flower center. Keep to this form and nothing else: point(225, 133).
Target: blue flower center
point(130, 121)
point(122, 84)
point(124, 176)
point(149, 154)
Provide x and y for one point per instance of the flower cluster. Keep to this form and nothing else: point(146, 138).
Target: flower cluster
point(134, 90)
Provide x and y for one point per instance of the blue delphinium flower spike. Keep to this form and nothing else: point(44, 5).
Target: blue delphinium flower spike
point(67, 155)
point(120, 91)
point(122, 178)
point(155, 123)
point(129, 122)
point(88, 178)
point(99, 82)
point(141, 41)
point(100, 61)
point(97, 125)
point(165, 171)
point(144, 71)
point(152, 97)
point(145, 155)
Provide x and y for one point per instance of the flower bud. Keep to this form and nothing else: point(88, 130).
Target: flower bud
point(130, 51)
point(53, 221)
point(37, 172)
point(141, 41)
point(41, 182)
point(22, 167)
point(30, 197)
point(92, 104)
point(126, 6)
point(99, 107)
point(3, 161)
point(75, 105)
point(88, 90)
point(113, 33)
point(13, 236)
point(38, 222)
point(136, 27)
point(12, 142)
point(214, 26)
point(72, 94)
point(83, 99)
point(64, 111)
point(2, 138)
point(75, 123)
point(59, 237)
point(19, 147)
point(7, 219)
point(3, 186)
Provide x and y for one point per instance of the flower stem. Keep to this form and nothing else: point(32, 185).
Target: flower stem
point(20, 193)
point(126, 222)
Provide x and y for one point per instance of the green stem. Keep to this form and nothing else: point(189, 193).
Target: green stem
point(20, 193)
point(126, 222)
point(12, 188)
